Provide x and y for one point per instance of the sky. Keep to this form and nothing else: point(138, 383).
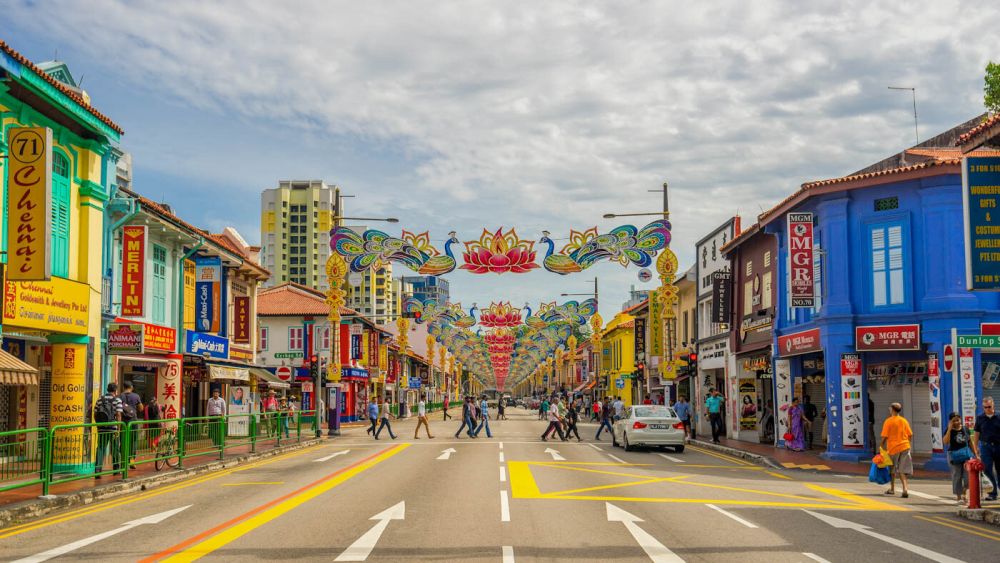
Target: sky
point(531, 115)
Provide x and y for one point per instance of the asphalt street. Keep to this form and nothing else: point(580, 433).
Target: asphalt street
point(508, 498)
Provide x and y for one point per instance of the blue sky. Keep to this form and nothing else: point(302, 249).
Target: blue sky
point(515, 114)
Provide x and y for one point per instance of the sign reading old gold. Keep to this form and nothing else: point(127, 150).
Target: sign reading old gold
point(29, 188)
point(58, 305)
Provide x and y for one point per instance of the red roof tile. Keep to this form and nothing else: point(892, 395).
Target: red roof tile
point(59, 86)
point(740, 238)
point(978, 130)
point(291, 300)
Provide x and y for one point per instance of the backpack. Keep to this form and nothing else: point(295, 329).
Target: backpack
point(104, 409)
point(128, 410)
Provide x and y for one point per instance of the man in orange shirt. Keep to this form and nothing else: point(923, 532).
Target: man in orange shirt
point(896, 435)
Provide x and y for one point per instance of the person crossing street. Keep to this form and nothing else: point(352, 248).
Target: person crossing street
point(386, 415)
point(468, 413)
point(572, 417)
point(422, 418)
point(605, 419)
point(484, 410)
point(554, 424)
point(372, 416)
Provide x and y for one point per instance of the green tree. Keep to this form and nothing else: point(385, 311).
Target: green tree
point(991, 91)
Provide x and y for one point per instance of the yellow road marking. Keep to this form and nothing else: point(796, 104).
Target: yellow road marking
point(962, 527)
point(253, 483)
point(72, 515)
point(857, 499)
point(240, 529)
point(778, 475)
point(632, 484)
point(791, 465)
point(721, 456)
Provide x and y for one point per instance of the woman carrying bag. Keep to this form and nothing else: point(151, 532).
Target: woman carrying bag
point(961, 449)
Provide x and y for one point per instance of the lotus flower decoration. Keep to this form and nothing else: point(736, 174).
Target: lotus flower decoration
point(499, 253)
point(500, 315)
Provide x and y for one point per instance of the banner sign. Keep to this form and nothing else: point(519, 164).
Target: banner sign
point(241, 319)
point(783, 384)
point(58, 305)
point(373, 351)
point(133, 270)
point(155, 337)
point(721, 298)
point(748, 404)
point(208, 277)
point(355, 346)
point(800, 260)
point(655, 325)
point(639, 340)
point(934, 388)
point(967, 374)
point(199, 344)
point(29, 204)
point(887, 337)
point(168, 388)
point(799, 343)
point(980, 191)
point(414, 383)
point(850, 388)
point(125, 338)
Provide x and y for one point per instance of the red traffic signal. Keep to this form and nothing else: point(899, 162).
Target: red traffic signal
point(642, 366)
point(313, 359)
point(692, 358)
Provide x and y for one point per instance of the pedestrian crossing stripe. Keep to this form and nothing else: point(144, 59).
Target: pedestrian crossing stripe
point(791, 465)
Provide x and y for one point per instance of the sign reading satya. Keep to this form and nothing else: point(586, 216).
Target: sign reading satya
point(800, 260)
point(887, 337)
point(133, 270)
point(29, 203)
point(125, 338)
point(241, 320)
point(721, 289)
point(981, 192)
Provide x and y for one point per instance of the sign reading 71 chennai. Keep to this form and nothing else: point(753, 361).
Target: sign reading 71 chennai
point(980, 194)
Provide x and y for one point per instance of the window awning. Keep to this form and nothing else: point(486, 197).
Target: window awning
point(15, 372)
point(215, 371)
point(267, 378)
point(144, 361)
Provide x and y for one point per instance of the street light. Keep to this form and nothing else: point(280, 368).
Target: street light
point(594, 294)
point(613, 215)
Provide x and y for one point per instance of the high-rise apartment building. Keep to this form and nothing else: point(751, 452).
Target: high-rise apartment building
point(427, 288)
point(295, 222)
point(374, 296)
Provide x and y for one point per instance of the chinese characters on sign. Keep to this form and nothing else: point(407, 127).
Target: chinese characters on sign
point(133, 270)
point(889, 337)
point(241, 322)
point(29, 203)
point(980, 191)
point(800, 260)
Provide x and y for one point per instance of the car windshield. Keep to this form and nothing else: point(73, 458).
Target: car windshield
point(655, 411)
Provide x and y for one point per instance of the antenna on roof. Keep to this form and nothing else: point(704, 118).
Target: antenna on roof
point(914, 92)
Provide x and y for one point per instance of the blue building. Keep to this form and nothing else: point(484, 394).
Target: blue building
point(888, 273)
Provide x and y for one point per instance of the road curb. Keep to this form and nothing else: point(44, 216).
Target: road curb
point(751, 457)
point(27, 510)
point(985, 515)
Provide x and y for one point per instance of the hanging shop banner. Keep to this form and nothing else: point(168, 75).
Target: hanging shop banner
point(373, 351)
point(655, 325)
point(155, 337)
point(190, 274)
point(967, 375)
point(355, 346)
point(168, 387)
point(799, 343)
point(783, 386)
point(640, 339)
point(980, 193)
point(58, 305)
point(748, 404)
point(721, 296)
point(934, 389)
point(850, 388)
point(133, 270)
point(208, 279)
point(241, 320)
point(200, 344)
point(887, 338)
point(29, 204)
point(125, 338)
point(800, 260)
point(239, 402)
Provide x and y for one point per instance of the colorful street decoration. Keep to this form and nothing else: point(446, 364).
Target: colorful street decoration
point(625, 244)
point(500, 315)
point(499, 253)
point(374, 249)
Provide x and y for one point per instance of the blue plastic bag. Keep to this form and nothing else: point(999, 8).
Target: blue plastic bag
point(879, 475)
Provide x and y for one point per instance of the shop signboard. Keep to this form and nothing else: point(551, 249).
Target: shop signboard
point(783, 385)
point(989, 328)
point(721, 296)
point(799, 343)
point(978, 341)
point(748, 404)
point(133, 270)
point(239, 402)
point(168, 388)
point(200, 344)
point(125, 338)
point(655, 325)
point(639, 341)
point(155, 337)
point(850, 388)
point(58, 305)
point(414, 383)
point(29, 204)
point(69, 404)
point(967, 374)
point(800, 260)
point(208, 277)
point(887, 338)
point(934, 389)
point(241, 319)
point(980, 192)
point(355, 346)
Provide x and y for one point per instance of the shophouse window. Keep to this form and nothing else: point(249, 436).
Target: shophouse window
point(294, 338)
point(159, 284)
point(263, 338)
point(817, 276)
point(747, 297)
point(888, 279)
point(765, 290)
point(323, 337)
point(60, 215)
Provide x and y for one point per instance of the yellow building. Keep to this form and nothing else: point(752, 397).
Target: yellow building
point(684, 309)
point(295, 222)
point(619, 358)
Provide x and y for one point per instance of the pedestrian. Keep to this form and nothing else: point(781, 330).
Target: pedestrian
point(386, 415)
point(131, 409)
point(422, 417)
point(444, 408)
point(502, 409)
point(107, 410)
point(372, 416)
point(484, 415)
point(647, 400)
point(619, 408)
point(554, 424)
point(543, 409)
point(605, 420)
point(270, 407)
point(290, 417)
point(572, 417)
point(683, 410)
point(810, 411)
point(960, 449)
point(796, 427)
point(216, 408)
point(595, 411)
point(987, 442)
point(153, 425)
point(713, 410)
point(468, 412)
point(896, 436)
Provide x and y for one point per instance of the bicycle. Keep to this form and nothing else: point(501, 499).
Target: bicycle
point(166, 450)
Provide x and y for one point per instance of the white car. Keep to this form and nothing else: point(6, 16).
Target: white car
point(649, 425)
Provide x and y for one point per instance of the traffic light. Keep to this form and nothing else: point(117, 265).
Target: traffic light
point(314, 366)
point(412, 315)
point(692, 363)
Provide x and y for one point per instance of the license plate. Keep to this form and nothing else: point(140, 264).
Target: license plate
point(659, 426)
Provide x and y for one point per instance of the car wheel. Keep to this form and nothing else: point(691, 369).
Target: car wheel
point(679, 449)
point(628, 447)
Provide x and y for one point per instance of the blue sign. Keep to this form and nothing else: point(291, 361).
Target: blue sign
point(355, 346)
point(199, 344)
point(981, 191)
point(208, 276)
point(620, 383)
point(414, 383)
point(354, 372)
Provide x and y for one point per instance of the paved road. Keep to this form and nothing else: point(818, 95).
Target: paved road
point(507, 499)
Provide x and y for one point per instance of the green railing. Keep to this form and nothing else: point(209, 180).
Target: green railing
point(84, 451)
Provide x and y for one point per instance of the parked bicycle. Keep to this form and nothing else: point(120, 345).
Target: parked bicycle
point(167, 452)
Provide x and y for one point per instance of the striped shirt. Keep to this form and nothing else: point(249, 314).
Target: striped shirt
point(216, 407)
point(117, 402)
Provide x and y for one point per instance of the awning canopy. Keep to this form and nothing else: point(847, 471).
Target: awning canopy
point(216, 371)
point(144, 361)
point(15, 372)
point(267, 378)
point(580, 386)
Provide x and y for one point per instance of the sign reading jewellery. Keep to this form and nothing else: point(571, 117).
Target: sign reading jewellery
point(980, 191)
point(640, 338)
point(800, 260)
point(721, 289)
point(58, 305)
point(199, 343)
point(207, 293)
point(29, 203)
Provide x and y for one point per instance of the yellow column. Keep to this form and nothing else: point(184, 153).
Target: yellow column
point(69, 388)
point(336, 269)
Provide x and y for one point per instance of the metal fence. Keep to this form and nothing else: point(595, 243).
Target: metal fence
point(49, 456)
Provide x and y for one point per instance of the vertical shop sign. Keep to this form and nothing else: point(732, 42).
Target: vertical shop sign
point(966, 371)
point(208, 277)
point(639, 341)
point(69, 391)
point(783, 387)
point(748, 404)
point(800, 260)
point(355, 346)
point(241, 322)
point(373, 351)
point(133, 270)
point(168, 389)
point(850, 387)
point(934, 388)
point(29, 204)
point(721, 296)
point(655, 326)
point(980, 178)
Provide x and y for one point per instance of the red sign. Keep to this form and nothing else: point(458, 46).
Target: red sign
point(800, 260)
point(887, 337)
point(241, 319)
point(799, 343)
point(133, 270)
point(284, 373)
point(992, 329)
point(949, 357)
point(156, 337)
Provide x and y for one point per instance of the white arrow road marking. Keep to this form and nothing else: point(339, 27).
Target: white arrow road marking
point(68, 548)
point(504, 507)
point(671, 458)
point(508, 554)
point(616, 458)
point(555, 454)
point(866, 530)
point(598, 448)
point(656, 551)
point(815, 557)
point(331, 456)
point(733, 516)
point(362, 548)
point(446, 454)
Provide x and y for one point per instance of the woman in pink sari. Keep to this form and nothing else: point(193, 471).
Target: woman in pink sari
point(796, 427)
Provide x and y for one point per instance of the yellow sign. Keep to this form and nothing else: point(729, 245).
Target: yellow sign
point(29, 203)
point(69, 404)
point(57, 305)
